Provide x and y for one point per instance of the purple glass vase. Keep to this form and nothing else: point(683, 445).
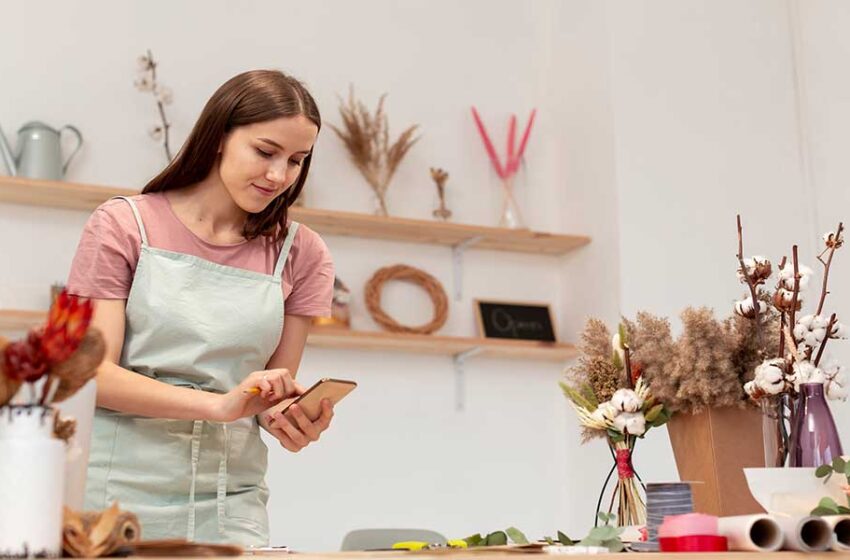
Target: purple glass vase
point(814, 439)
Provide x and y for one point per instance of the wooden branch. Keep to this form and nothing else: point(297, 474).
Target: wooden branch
point(749, 280)
point(826, 269)
point(825, 339)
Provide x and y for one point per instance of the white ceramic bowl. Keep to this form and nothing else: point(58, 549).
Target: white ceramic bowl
point(792, 491)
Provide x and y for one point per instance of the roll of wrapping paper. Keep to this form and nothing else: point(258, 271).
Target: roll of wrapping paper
point(805, 534)
point(758, 533)
point(840, 525)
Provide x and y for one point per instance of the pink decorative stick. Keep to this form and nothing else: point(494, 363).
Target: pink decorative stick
point(488, 145)
point(513, 165)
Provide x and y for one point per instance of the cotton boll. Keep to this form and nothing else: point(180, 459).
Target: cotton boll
point(806, 372)
point(626, 400)
point(631, 422)
point(839, 330)
point(786, 276)
point(604, 412)
point(831, 241)
point(758, 269)
point(769, 377)
point(745, 308)
point(836, 389)
point(811, 329)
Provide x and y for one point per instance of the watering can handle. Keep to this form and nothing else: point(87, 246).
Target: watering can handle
point(77, 149)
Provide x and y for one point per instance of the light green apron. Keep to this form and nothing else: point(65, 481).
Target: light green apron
point(191, 323)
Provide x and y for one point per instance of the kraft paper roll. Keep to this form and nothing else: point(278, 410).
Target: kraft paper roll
point(757, 533)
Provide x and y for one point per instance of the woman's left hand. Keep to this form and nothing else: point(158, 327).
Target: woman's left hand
point(294, 430)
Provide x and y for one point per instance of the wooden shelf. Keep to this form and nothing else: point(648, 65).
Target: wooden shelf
point(323, 337)
point(60, 194)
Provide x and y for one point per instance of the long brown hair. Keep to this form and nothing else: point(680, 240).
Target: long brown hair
point(250, 97)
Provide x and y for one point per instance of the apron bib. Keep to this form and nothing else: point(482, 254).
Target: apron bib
point(197, 324)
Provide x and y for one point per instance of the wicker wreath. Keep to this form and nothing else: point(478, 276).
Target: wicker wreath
point(408, 274)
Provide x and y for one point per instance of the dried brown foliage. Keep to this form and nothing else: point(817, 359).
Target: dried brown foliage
point(653, 350)
point(366, 137)
point(80, 367)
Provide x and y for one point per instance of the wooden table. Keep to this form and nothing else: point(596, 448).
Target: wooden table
point(472, 555)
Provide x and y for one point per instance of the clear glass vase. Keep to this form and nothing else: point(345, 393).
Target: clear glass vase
point(511, 217)
point(774, 431)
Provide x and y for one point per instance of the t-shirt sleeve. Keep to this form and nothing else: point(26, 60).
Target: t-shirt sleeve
point(106, 257)
point(312, 276)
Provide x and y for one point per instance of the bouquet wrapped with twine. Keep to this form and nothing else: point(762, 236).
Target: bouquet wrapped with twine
point(612, 400)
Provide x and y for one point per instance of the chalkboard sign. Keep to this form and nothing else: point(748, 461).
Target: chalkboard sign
point(523, 321)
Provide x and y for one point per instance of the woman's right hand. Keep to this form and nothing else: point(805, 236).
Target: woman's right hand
point(274, 385)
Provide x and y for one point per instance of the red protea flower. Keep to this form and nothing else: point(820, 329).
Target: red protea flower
point(24, 360)
point(67, 323)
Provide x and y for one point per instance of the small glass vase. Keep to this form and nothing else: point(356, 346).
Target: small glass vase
point(774, 431)
point(32, 476)
point(814, 438)
point(511, 217)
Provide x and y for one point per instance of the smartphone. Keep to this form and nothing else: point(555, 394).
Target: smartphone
point(311, 400)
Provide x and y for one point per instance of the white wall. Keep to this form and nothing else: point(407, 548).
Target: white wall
point(658, 122)
point(399, 453)
point(707, 125)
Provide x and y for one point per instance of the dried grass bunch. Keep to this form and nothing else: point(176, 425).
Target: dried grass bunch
point(366, 137)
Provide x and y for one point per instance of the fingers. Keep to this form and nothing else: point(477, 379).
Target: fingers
point(310, 429)
point(289, 436)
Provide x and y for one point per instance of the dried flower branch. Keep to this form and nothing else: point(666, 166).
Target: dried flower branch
point(440, 177)
point(146, 81)
point(833, 241)
point(366, 137)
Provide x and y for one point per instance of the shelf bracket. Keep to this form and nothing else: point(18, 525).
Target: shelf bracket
point(457, 263)
point(460, 378)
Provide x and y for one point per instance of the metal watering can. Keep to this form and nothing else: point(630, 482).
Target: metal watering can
point(39, 151)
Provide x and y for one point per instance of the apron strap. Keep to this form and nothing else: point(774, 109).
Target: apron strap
point(221, 490)
point(138, 218)
point(284, 251)
point(197, 427)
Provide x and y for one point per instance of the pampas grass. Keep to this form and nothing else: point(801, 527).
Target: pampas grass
point(366, 137)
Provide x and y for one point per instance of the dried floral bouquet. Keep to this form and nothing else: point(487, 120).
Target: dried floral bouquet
point(612, 400)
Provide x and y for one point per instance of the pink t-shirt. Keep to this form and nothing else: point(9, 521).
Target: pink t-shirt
point(110, 244)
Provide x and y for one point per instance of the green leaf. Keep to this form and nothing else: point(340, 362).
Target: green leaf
point(614, 545)
point(588, 541)
point(654, 412)
point(616, 436)
point(843, 510)
point(820, 511)
point(603, 533)
point(828, 503)
point(839, 464)
point(823, 470)
point(587, 393)
point(516, 535)
point(564, 539)
point(549, 541)
point(847, 472)
point(603, 516)
point(499, 538)
point(474, 540)
point(616, 361)
point(576, 396)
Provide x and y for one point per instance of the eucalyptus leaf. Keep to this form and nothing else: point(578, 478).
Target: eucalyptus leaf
point(828, 504)
point(847, 471)
point(588, 541)
point(516, 535)
point(614, 545)
point(474, 540)
point(603, 533)
point(823, 470)
point(499, 538)
point(564, 539)
point(821, 511)
point(549, 541)
point(843, 510)
point(839, 464)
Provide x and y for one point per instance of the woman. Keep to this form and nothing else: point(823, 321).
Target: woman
point(190, 280)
